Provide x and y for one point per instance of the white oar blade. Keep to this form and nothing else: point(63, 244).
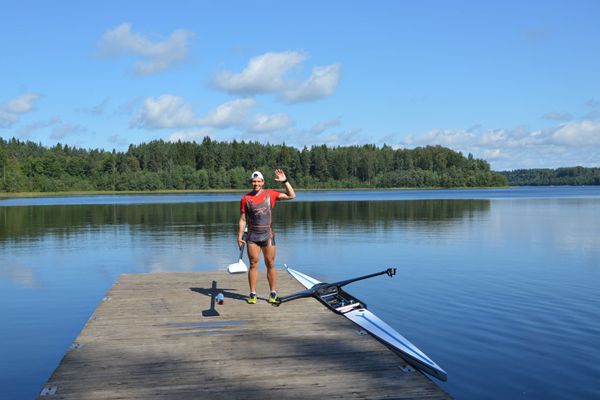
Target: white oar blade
point(237, 268)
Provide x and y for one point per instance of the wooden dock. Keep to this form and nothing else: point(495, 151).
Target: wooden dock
point(162, 336)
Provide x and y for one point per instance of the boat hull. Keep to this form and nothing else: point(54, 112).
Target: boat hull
point(395, 341)
point(343, 303)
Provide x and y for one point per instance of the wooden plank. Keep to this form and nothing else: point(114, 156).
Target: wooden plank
point(157, 335)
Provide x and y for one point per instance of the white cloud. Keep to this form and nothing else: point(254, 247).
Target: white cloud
point(269, 123)
point(59, 131)
point(268, 73)
point(19, 273)
point(573, 143)
point(228, 114)
point(300, 137)
point(170, 111)
point(592, 115)
point(21, 104)
point(475, 128)
point(322, 126)
point(129, 107)
point(191, 135)
point(493, 154)
point(11, 111)
point(166, 111)
point(447, 138)
point(64, 129)
point(118, 140)
point(495, 136)
point(27, 130)
point(345, 138)
point(321, 83)
point(583, 133)
point(264, 74)
point(594, 112)
point(98, 109)
point(156, 56)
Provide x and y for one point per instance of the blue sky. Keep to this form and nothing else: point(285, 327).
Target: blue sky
point(516, 83)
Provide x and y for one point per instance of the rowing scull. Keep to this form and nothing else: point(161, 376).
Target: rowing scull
point(341, 302)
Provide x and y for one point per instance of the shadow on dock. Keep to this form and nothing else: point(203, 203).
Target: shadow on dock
point(153, 339)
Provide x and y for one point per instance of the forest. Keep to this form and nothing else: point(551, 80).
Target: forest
point(558, 176)
point(158, 165)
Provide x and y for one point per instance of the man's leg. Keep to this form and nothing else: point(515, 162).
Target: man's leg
point(269, 255)
point(254, 257)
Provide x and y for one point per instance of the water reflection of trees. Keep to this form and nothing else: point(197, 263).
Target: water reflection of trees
point(210, 219)
point(378, 213)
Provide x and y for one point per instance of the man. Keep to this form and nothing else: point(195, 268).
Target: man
point(256, 208)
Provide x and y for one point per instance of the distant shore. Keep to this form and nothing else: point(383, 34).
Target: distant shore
point(11, 195)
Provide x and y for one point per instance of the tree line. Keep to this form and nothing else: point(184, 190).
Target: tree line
point(158, 165)
point(558, 176)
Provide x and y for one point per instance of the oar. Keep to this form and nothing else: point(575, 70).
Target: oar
point(238, 267)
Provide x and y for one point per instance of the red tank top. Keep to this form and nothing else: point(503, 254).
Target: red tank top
point(257, 208)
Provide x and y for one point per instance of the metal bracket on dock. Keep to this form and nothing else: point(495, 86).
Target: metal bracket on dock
point(107, 299)
point(49, 391)
point(361, 332)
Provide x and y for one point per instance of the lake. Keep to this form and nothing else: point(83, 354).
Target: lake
point(501, 287)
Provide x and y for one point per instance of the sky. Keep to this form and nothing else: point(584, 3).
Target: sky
point(515, 83)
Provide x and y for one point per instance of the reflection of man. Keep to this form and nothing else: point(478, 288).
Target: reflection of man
point(256, 209)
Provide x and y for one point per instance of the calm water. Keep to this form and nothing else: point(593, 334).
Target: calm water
point(500, 287)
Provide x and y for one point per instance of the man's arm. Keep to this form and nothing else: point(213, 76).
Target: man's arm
point(289, 190)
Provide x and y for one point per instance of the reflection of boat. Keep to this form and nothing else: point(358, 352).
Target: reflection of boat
point(333, 296)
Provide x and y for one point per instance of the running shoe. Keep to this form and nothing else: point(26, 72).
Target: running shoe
point(273, 298)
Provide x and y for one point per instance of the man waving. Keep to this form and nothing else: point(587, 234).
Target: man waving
point(256, 208)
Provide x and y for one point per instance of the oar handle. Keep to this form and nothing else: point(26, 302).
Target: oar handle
point(242, 250)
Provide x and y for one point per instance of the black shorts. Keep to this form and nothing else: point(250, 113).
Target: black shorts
point(264, 243)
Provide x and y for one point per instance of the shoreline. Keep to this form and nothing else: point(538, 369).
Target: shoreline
point(16, 195)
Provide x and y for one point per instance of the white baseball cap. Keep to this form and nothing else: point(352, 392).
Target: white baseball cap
point(257, 174)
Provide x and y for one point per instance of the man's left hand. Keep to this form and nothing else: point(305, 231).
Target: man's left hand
point(280, 175)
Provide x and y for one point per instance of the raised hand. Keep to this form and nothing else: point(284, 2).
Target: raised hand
point(280, 175)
